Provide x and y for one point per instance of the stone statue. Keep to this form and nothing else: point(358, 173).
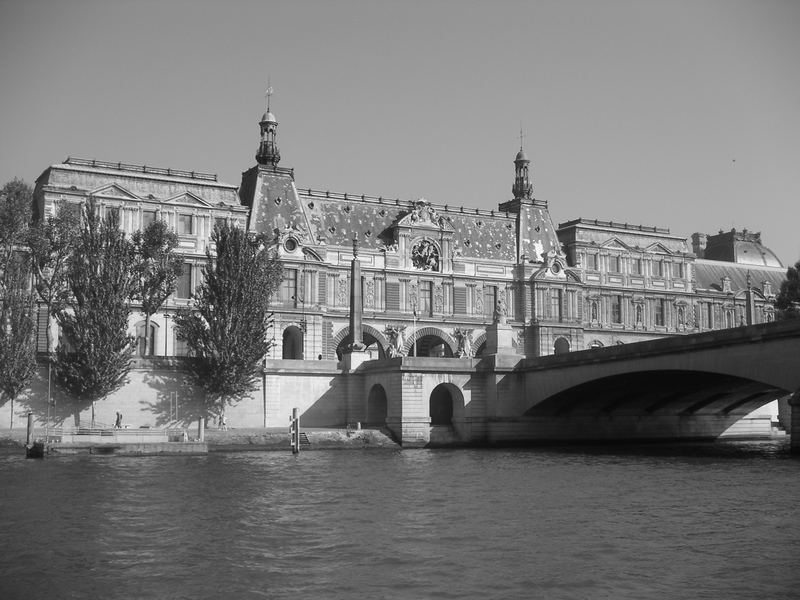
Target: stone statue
point(500, 309)
point(464, 337)
point(396, 340)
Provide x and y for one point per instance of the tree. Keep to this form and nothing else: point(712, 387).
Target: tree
point(156, 270)
point(226, 330)
point(94, 356)
point(52, 241)
point(788, 298)
point(17, 335)
point(16, 203)
point(17, 324)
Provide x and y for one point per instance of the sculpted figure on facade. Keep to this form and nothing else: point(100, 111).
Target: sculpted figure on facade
point(396, 336)
point(500, 309)
point(464, 337)
point(438, 299)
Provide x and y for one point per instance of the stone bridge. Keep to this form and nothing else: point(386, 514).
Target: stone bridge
point(680, 388)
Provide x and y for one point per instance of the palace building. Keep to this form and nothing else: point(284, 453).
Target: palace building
point(433, 275)
point(435, 281)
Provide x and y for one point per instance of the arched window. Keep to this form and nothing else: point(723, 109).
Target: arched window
point(151, 344)
point(292, 343)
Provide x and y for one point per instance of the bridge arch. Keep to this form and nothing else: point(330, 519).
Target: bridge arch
point(681, 386)
point(445, 403)
point(377, 406)
point(430, 338)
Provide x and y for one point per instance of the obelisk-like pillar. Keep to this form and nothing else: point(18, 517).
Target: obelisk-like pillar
point(356, 308)
point(354, 354)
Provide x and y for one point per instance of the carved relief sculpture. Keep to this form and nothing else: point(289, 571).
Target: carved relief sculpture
point(425, 256)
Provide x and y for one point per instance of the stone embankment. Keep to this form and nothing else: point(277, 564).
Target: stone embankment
point(236, 440)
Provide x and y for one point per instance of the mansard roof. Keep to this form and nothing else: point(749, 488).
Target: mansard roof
point(710, 273)
point(336, 218)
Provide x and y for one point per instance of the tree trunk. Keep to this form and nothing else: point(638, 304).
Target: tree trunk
point(11, 425)
point(147, 335)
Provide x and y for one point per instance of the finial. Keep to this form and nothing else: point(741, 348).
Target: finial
point(355, 246)
point(268, 93)
point(521, 135)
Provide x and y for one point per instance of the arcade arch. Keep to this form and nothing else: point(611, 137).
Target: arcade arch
point(292, 343)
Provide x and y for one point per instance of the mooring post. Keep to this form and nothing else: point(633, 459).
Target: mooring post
point(29, 441)
point(294, 431)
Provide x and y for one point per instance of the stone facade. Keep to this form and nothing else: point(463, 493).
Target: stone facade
point(438, 282)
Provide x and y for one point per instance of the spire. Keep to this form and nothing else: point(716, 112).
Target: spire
point(522, 188)
point(268, 153)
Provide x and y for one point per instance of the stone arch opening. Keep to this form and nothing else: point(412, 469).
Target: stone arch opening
point(373, 348)
point(293, 343)
point(441, 405)
point(375, 342)
point(151, 344)
point(561, 346)
point(432, 342)
point(377, 406)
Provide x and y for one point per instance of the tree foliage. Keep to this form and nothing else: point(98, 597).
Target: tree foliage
point(156, 269)
point(788, 298)
point(94, 356)
point(226, 329)
point(17, 321)
point(17, 336)
point(52, 242)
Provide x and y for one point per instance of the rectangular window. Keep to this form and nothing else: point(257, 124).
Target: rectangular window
point(183, 288)
point(637, 266)
point(489, 300)
point(287, 294)
point(614, 264)
point(616, 309)
point(677, 270)
point(594, 262)
point(710, 308)
point(556, 310)
point(425, 308)
point(658, 268)
point(148, 217)
point(185, 225)
point(392, 295)
point(659, 312)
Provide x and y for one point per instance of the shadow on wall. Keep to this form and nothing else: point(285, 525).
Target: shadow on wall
point(178, 401)
point(35, 400)
point(330, 410)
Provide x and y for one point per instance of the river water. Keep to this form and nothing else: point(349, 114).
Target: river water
point(696, 521)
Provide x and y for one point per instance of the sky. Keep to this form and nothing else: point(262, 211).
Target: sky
point(682, 114)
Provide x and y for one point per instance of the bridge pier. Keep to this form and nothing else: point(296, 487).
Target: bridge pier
point(794, 433)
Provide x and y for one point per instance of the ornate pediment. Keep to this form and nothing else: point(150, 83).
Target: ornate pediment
point(659, 249)
point(114, 190)
point(424, 216)
point(616, 244)
point(187, 199)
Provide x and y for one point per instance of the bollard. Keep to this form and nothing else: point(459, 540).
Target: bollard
point(294, 431)
point(29, 441)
